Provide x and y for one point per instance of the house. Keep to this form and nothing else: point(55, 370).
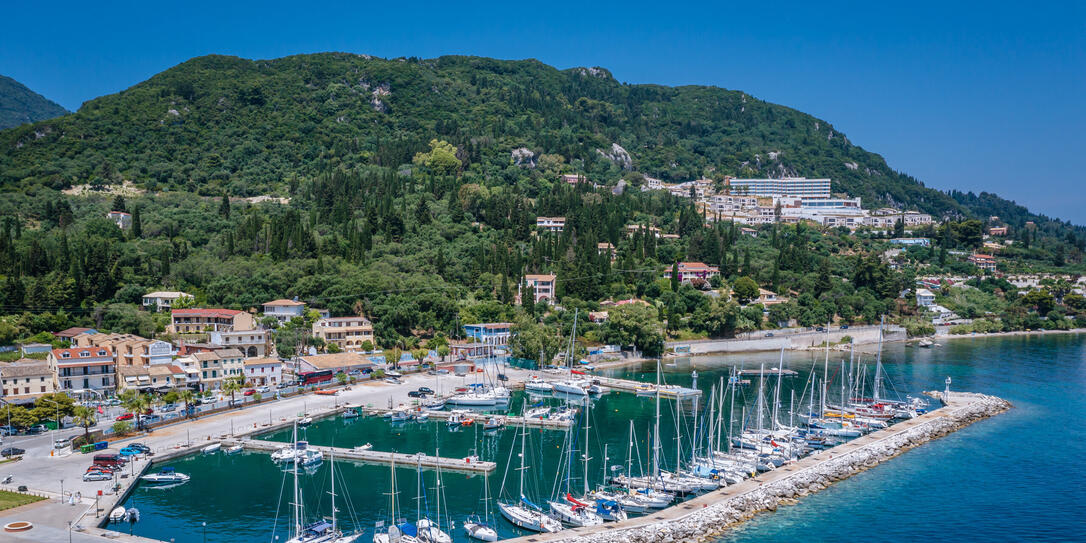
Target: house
point(74, 331)
point(80, 370)
point(491, 333)
point(604, 247)
point(263, 371)
point(252, 343)
point(574, 178)
point(122, 219)
point(543, 287)
point(747, 231)
point(133, 378)
point(284, 310)
point(22, 382)
point(924, 297)
point(337, 363)
point(922, 242)
point(129, 349)
point(997, 231)
point(167, 376)
point(347, 333)
point(215, 366)
point(162, 299)
point(632, 229)
point(767, 297)
point(195, 321)
point(984, 262)
point(550, 224)
point(689, 271)
point(191, 369)
point(597, 316)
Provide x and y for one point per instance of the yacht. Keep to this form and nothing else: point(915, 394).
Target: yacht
point(166, 476)
point(574, 513)
point(577, 387)
point(535, 384)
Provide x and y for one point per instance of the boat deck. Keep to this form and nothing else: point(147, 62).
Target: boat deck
point(378, 457)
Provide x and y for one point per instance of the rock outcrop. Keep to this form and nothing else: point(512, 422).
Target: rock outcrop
point(618, 155)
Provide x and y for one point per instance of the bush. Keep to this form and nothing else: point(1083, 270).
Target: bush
point(122, 427)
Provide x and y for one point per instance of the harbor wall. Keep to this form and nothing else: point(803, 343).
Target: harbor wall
point(705, 517)
point(860, 336)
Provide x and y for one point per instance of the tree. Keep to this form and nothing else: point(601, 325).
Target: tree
point(636, 325)
point(341, 378)
point(85, 417)
point(443, 351)
point(745, 289)
point(232, 385)
point(441, 159)
point(392, 357)
point(137, 224)
point(1041, 300)
point(136, 403)
point(224, 207)
point(534, 341)
point(675, 277)
point(118, 203)
point(121, 427)
point(189, 397)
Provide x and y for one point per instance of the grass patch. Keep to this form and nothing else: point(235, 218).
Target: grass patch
point(9, 500)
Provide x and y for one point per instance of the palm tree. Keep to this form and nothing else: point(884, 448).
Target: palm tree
point(136, 403)
point(188, 397)
point(85, 417)
point(231, 385)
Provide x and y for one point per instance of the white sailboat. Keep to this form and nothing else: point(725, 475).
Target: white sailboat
point(480, 528)
point(321, 531)
point(403, 532)
point(523, 513)
point(430, 531)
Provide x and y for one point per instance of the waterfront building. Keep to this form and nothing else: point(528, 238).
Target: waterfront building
point(120, 218)
point(263, 371)
point(216, 366)
point(336, 362)
point(24, 381)
point(347, 333)
point(196, 321)
point(252, 343)
point(129, 349)
point(491, 333)
point(924, 297)
point(160, 300)
point(80, 370)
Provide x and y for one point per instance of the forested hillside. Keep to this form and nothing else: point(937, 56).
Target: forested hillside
point(19, 105)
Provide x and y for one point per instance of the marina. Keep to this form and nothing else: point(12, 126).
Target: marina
point(370, 456)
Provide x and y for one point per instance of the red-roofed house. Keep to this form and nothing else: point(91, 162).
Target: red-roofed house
point(692, 270)
point(80, 369)
point(541, 286)
point(195, 321)
point(984, 262)
point(74, 331)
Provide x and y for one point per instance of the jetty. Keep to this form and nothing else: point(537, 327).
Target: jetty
point(370, 456)
point(769, 372)
point(480, 417)
point(626, 385)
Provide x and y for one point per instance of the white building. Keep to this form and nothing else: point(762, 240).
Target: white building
point(790, 186)
point(550, 224)
point(163, 299)
point(924, 297)
point(284, 310)
point(252, 343)
point(263, 371)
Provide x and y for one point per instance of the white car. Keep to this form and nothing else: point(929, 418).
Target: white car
point(264, 389)
point(97, 476)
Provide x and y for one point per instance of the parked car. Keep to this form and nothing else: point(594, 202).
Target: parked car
point(249, 392)
point(415, 394)
point(236, 402)
point(140, 446)
point(820, 329)
point(126, 416)
point(844, 327)
point(426, 390)
point(769, 334)
point(97, 476)
point(263, 389)
point(168, 408)
point(37, 429)
point(7, 430)
point(109, 460)
point(62, 443)
point(12, 451)
point(101, 469)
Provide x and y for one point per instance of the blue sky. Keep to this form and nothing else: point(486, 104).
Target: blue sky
point(973, 96)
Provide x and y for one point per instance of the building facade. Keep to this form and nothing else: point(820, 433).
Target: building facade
point(83, 370)
point(284, 310)
point(490, 333)
point(790, 186)
point(347, 333)
point(263, 371)
point(161, 300)
point(23, 382)
point(551, 224)
point(689, 271)
point(541, 287)
point(196, 321)
point(252, 343)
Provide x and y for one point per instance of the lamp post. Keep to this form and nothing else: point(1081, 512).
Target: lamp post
point(62, 491)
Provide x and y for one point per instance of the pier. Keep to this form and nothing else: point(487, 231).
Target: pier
point(481, 417)
point(770, 372)
point(468, 465)
point(626, 385)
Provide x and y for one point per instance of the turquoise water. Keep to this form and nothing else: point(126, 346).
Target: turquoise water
point(1016, 476)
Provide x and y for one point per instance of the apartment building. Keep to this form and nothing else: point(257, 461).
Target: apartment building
point(263, 371)
point(284, 310)
point(347, 333)
point(23, 382)
point(984, 262)
point(550, 224)
point(217, 366)
point(80, 370)
point(542, 286)
point(689, 271)
point(252, 343)
point(195, 321)
point(490, 333)
point(789, 186)
point(129, 349)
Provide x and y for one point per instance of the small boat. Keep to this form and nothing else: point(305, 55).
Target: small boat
point(393, 374)
point(434, 404)
point(365, 447)
point(926, 343)
point(166, 476)
point(575, 387)
point(132, 515)
point(309, 457)
point(399, 414)
point(537, 413)
point(305, 421)
point(350, 413)
point(494, 423)
point(211, 449)
point(289, 453)
point(535, 384)
point(477, 529)
point(117, 514)
point(422, 416)
point(234, 450)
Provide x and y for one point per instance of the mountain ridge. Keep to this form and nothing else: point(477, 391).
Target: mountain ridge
point(218, 123)
point(20, 105)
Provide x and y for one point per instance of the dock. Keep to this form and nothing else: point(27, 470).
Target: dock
point(626, 385)
point(769, 372)
point(481, 417)
point(466, 465)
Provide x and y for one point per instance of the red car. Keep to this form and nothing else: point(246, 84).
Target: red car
point(249, 392)
point(126, 416)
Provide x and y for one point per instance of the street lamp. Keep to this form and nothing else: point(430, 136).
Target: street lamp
point(56, 424)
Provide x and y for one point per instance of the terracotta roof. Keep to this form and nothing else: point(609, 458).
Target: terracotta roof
point(262, 361)
point(230, 353)
point(73, 353)
point(540, 277)
point(335, 360)
point(337, 319)
point(73, 331)
point(284, 302)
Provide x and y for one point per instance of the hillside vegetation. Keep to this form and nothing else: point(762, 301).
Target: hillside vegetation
point(20, 105)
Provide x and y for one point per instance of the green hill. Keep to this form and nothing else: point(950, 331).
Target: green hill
point(219, 124)
point(20, 105)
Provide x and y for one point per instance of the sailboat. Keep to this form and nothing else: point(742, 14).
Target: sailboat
point(523, 513)
point(403, 532)
point(572, 386)
point(430, 531)
point(321, 531)
point(480, 528)
point(573, 511)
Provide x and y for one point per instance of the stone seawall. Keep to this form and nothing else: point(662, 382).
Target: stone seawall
point(705, 517)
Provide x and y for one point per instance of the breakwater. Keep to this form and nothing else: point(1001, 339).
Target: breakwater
point(707, 516)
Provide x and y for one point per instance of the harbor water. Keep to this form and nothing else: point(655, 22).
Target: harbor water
point(1016, 476)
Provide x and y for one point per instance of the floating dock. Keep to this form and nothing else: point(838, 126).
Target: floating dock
point(481, 417)
point(468, 465)
point(769, 372)
point(666, 391)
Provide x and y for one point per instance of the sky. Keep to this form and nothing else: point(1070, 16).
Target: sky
point(971, 96)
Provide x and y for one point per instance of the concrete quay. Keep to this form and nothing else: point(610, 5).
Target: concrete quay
point(370, 456)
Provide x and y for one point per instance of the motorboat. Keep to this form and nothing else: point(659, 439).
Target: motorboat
point(166, 476)
point(535, 384)
point(213, 448)
point(577, 387)
point(460, 418)
point(305, 421)
point(434, 404)
point(494, 423)
point(309, 457)
point(234, 450)
point(350, 413)
point(537, 413)
point(400, 414)
point(289, 453)
point(117, 515)
point(477, 529)
point(364, 447)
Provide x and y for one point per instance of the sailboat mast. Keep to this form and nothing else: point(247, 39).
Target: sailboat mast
point(438, 485)
point(878, 362)
point(297, 495)
point(332, 464)
point(656, 429)
point(523, 438)
point(761, 397)
point(777, 391)
point(587, 403)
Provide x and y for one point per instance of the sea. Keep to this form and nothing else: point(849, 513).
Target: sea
point(1018, 476)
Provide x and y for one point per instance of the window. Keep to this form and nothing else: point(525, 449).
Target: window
point(26, 390)
point(43, 389)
